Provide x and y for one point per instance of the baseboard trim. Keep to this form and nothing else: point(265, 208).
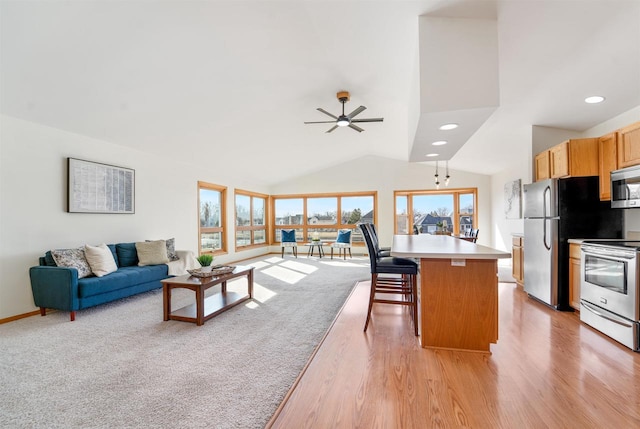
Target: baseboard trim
point(19, 316)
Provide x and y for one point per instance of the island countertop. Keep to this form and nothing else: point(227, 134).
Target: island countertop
point(441, 247)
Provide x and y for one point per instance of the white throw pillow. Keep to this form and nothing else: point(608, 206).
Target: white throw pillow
point(152, 252)
point(100, 259)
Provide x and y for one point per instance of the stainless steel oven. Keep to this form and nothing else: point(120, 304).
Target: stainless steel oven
point(609, 289)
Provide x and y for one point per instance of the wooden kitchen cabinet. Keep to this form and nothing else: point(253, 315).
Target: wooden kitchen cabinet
point(574, 275)
point(572, 158)
point(607, 162)
point(628, 145)
point(517, 260)
point(543, 170)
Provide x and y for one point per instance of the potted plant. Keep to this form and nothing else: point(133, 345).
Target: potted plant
point(439, 226)
point(205, 261)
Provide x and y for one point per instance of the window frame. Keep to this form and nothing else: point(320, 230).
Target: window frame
point(252, 228)
point(307, 228)
point(223, 219)
point(455, 192)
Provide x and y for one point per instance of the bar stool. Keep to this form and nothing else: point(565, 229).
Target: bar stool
point(391, 275)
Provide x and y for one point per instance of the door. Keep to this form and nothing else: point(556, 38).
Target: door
point(540, 259)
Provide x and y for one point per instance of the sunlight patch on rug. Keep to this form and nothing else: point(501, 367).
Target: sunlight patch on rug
point(299, 266)
point(344, 264)
point(284, 274)
point(261, 293)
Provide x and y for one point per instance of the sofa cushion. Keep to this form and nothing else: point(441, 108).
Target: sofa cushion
point(100, 259)
point(112, 247)
point(72, 258)
point(152, 253)
point(127, 254)
point(124, 277)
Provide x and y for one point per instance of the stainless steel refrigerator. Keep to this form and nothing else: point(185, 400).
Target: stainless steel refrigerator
point(556, 210)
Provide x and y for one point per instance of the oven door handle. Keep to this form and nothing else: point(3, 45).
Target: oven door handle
point(605, 316)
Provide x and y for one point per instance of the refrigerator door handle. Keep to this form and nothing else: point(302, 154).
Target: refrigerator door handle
point(545, 195)
point(544, 201)
point(544, 234)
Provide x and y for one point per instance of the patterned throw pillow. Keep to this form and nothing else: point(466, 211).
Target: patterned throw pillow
point(100, 259)
point(72, 258)
point(152, 252)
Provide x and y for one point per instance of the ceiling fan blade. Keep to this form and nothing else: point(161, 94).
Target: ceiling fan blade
point(332, 128)
point(369, 120)
point(321, 122)
point(320, 109)
point(356, 112)
point(355, 127)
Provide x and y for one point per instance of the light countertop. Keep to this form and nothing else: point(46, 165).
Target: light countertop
point(441, 247)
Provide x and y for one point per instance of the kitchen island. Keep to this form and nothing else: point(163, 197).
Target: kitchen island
point(458, 290)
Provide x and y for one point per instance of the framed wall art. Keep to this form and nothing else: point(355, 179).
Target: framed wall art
point(99, 188)
point(512, 200)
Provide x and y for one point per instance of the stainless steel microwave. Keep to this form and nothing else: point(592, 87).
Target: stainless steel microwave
point(625, 188)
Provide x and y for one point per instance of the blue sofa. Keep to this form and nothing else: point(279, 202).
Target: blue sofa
point(59, 287)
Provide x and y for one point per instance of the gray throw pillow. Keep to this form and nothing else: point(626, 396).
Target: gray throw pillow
point(72, 258)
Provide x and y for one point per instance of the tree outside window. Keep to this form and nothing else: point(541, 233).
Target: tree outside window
point(250, 219)
point(211, 227)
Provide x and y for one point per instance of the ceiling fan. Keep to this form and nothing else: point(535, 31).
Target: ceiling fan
point(345, 120)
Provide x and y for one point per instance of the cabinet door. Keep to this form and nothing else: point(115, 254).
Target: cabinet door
point(629, 145)
point(542, 166)
point(516, 269)
point(559, 156)
point(608, 161)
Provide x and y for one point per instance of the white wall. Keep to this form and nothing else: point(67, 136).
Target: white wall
point(33, 194)
point(371, 173)
point(520, 168)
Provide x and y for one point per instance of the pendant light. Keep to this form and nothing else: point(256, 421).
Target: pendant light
point(447, 177)
point(437, 177)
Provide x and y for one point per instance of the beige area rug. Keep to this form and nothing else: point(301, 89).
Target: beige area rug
point(120, 366)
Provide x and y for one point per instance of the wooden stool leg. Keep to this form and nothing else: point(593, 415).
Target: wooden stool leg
point(372, 296)
point(414, 297)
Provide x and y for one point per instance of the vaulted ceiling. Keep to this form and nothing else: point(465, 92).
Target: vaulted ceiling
point(234, 81)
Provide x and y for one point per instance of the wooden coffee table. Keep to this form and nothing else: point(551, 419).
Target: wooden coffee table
point(205, 309)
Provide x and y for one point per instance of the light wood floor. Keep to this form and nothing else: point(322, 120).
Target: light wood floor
point(546, 371)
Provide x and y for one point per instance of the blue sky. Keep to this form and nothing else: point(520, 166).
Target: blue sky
point(322, 205)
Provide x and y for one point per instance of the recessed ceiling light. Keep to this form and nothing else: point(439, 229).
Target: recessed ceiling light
point(450, 126)
point(431, 154)
point(594, 99)
point(439, 143)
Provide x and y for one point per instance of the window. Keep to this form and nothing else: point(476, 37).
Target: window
point(250, 219)
point(451, 211)
point(211, 208)
point(323, 214)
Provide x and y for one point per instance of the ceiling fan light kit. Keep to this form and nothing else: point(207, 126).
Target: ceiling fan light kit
point(345, 120)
